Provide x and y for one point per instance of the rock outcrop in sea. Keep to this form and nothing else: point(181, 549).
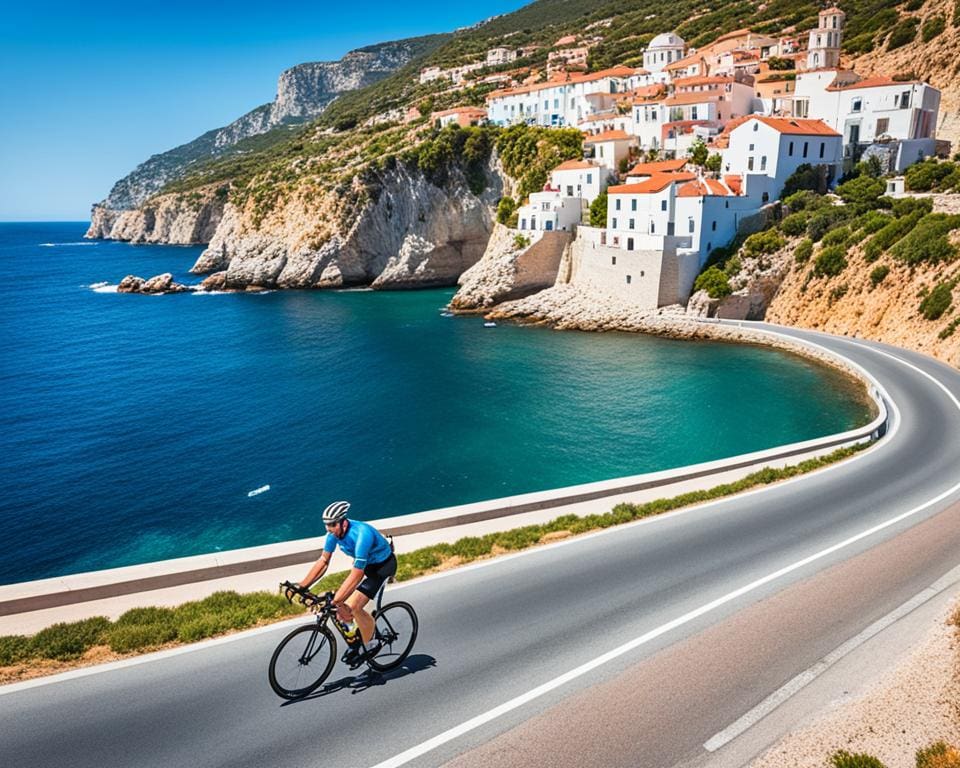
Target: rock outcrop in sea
point(158, 284)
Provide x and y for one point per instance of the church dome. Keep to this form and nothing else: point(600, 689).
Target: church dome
point(666, 40)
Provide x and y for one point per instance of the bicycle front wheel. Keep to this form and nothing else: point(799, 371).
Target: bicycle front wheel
point(302, 661)
point(397, 627)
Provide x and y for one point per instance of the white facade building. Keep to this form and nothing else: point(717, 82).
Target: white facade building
point(664, 49)
point(610, 147)
point(549, 211)
point(872, 109)
point(501, 55)
point(563, 101)
point(767, 150)
point(823, 46)
point(580, 178)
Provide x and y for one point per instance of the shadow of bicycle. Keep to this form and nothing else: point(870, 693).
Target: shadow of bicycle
point(369, 678)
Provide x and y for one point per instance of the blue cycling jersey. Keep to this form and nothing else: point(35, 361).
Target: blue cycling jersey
point(364, 543)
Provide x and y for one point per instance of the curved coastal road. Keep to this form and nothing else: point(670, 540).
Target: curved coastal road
point(629, 647)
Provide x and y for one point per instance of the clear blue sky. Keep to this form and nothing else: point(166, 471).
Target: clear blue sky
point(89, 90)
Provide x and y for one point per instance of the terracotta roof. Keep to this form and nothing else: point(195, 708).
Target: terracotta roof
point(702, 187)
point(576, 165)
point(607, 136)
point(460, 111)
point(735, 182)
point(795, 126)
point(697, 97)
point(659, 166)
point(600, 117)
point(686, 61)
point(656, 183)
point(735, 33)
point(870, 82)
point(641, 71)
point(685, 82)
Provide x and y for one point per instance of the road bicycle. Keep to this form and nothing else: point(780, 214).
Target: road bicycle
point(305, 657)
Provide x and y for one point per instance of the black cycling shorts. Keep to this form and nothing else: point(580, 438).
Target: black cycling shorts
point(375, 574)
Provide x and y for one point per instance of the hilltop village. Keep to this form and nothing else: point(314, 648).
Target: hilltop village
point(693, 148)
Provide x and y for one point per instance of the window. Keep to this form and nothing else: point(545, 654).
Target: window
point(569, 190)
point(693, 112)
point(904, 100)
point(801, 107)
point(663, 205)
point(613, 260)
point(616, 205)
point(806, 146)
point(628, 279)
point(653, 226)
point(613, 224)
point(633, 204)
point(751, 147)
point(641, 273)
point(692, 225)
point(823, 148)
point(630, 223)
point(765, 197)
point(589, 178)
point(556, 103)
point(548, 225)
point(523, 223)
point(533, 222)
point(883, 125)
point(629, 243)
point(756, 125)
point(546, 104)
point(856, 105)
point(749, 163)
point(713, 226)
point(708, 247)
point(790, 149)
point(763, 162)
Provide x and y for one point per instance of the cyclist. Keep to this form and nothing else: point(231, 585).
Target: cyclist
point(373, 563)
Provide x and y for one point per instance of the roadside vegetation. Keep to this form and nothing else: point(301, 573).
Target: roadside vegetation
point(146, 629)
point(937, 755)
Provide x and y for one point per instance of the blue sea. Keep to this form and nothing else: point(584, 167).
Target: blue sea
point(133, 427)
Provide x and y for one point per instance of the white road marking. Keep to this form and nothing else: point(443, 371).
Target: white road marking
point(561, 680)
point(806, 677)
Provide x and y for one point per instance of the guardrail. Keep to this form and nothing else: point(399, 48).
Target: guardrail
point(80, 588)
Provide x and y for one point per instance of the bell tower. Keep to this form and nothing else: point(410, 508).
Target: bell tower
point(823, 47)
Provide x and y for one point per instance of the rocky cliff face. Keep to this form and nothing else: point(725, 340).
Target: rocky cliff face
point(303, 92)
point(402, 232)
point(175, 219)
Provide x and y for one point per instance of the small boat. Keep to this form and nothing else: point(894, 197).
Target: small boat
point(489, 324)
point(258, 491)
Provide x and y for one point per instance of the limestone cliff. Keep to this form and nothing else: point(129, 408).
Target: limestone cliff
point(175, 219)
point(303, 92)
point(392, 229)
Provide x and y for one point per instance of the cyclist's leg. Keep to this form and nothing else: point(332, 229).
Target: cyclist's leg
point(357, 602)
point(375, 575)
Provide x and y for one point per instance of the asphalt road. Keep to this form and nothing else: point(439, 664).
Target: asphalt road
point(706, 648)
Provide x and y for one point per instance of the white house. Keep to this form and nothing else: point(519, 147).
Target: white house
point(580, 178)
point(664, 49)
point(767, 150)
point(562, 101)
point(610, 147)
point(548, 211)
point(869, 110)
point(502, 55)
point(641, 214)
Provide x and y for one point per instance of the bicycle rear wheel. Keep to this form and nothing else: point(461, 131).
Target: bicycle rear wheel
point(302, 661)
point(397, 627)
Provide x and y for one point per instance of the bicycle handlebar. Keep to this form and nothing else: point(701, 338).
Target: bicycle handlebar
point(307, 597)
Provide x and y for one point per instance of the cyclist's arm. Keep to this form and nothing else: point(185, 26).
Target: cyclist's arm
point(319, 568)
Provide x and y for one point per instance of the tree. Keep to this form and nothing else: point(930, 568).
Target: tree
point(715, 282)
point(863, 192)
point(699, 153)
point(505, 209)
point(598, 211)
point(776, 63)
point(713, 163)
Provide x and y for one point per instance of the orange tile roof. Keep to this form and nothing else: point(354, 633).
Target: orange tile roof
point(600, 117)
point(686, 82)
point(696, 97)
point(870, 82)
point(564, 79)
point(735, 33)
point(659, 166)
point(460, 111)
point(686, 61)
point(795, 126)
point(656, 183)
point(576, 165)
point(607, 136)
point(701, 187)
point(735, 182)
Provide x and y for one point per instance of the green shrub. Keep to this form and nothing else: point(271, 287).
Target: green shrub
point(715, 282)
point(907, 205)
point(805, 199)
point(520, 241)
point(863, 192)
point(937, 302)
point(844, 759)
point(733, 266)
point(889, 235)
point(714, 163)
point(505, 209)
point(795, 224)
point(927, 241)
point(870, 167)
point(823, 220)
point(14, 649)
point(872, 221)
point(142, 628)
point(66, 641)
point(759, 243)
point(927, 174)
point(878, 274)
point(913, 5)
point(598, 211)
point(805, 177)
point(838, 236)
point(932, 28)
point(831, 261)
point(903, 34)
point(938, 755)
point(803, 251)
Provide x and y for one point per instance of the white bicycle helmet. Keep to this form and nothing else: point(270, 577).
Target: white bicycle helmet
point(335, 512)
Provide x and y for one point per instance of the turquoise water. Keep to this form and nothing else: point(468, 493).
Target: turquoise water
point(134, 426)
